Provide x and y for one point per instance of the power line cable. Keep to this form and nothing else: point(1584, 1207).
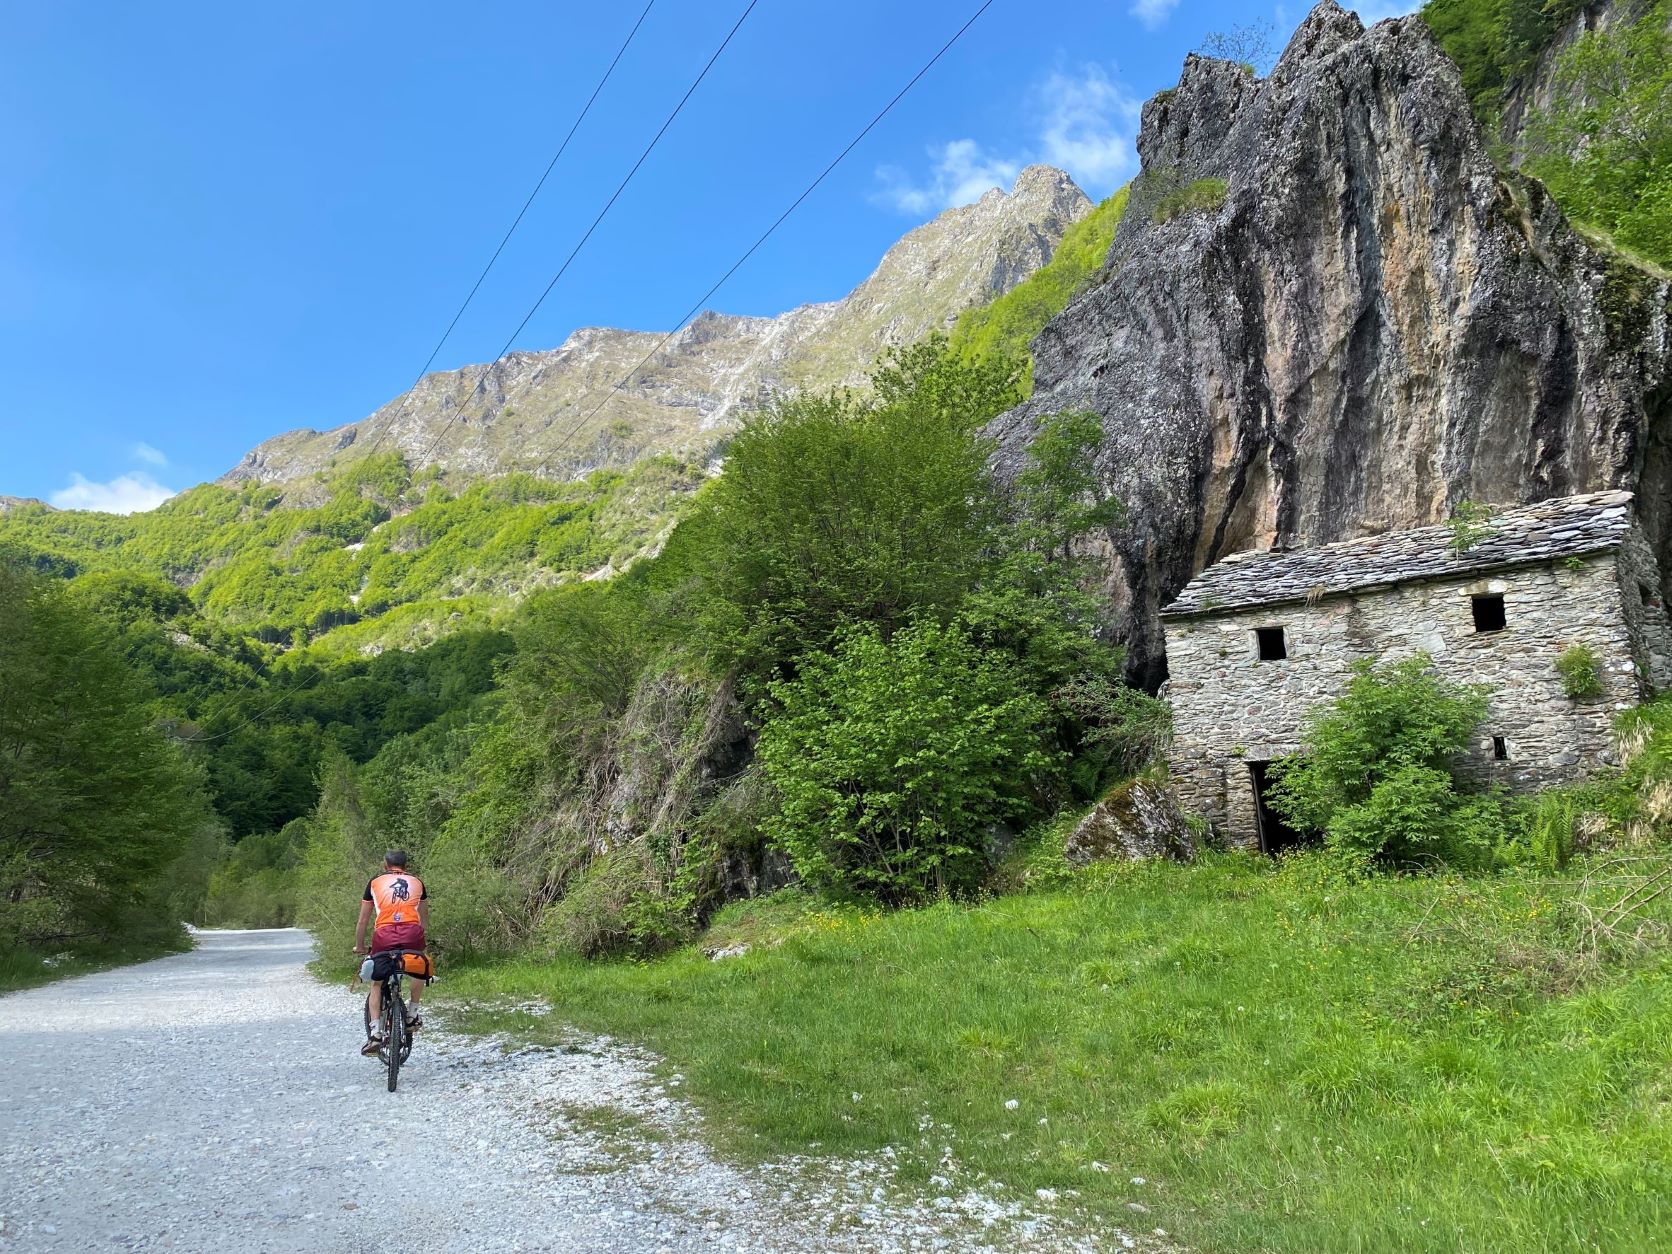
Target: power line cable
point(550, 166)
point(724, 278)
point(602, 213)
point(521, 213)
point(767, 234)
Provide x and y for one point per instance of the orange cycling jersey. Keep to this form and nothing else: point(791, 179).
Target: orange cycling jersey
point(396, 896)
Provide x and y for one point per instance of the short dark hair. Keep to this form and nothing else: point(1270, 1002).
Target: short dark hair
point(395, 857)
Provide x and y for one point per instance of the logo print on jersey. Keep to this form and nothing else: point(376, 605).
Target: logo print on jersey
point(400, 891)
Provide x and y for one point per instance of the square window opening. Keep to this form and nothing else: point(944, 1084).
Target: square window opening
point(1273, 648)
point(1488, 612)
point(1500, 749)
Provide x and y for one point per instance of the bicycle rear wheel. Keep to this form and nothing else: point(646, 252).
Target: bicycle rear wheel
point(396, 1044)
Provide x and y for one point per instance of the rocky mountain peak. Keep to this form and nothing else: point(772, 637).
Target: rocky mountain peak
point(1327, 314)
point(560, 413)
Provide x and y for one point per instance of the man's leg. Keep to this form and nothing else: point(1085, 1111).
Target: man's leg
point(376, 1005)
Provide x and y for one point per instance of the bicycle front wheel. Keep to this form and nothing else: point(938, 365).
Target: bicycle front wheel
point(396, 1045)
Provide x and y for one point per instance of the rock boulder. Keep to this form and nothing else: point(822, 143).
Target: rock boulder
point(1139, 819)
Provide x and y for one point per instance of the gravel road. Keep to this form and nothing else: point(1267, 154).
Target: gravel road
point(217, 1100)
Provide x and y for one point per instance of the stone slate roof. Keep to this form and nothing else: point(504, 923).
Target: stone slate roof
point(1563, 527)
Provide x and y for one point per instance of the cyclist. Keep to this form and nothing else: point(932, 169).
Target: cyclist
point(400, 903)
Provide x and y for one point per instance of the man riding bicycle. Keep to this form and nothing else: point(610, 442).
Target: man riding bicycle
point(400, 903)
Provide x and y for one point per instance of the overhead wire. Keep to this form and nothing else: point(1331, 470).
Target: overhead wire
point(581, 243)
point(714, 288)
point(470, 296)
point(551, 165)
point(768, 233)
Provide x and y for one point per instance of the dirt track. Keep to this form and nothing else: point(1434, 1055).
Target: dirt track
point(217, 1100)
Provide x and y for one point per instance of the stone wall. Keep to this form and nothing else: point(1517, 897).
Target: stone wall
point(1645, 612)
point(1231, 709)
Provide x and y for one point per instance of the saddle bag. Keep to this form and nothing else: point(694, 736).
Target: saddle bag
point(418, 966)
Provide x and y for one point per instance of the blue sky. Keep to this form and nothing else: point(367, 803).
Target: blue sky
point(222, 221)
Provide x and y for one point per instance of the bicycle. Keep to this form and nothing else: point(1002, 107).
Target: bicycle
point(394, 1021)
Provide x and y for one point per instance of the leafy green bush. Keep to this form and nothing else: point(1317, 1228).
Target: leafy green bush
point(1131, 726)
point(893, 758)
point(836, 509)
point(1375, 775)
point(1495, 42)
point(617, 905)
point(1470, 525)
point(1581, 672)
point(1200, 196)
point(255, 883)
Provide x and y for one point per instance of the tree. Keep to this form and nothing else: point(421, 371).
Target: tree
point(1604, 148)
point(1251, 44)
point(95, 803)
point(892, 758)
point(839, 509)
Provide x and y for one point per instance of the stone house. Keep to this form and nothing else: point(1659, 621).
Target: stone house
point(1258, 640)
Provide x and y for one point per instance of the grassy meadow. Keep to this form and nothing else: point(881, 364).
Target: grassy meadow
point(1288, 1061)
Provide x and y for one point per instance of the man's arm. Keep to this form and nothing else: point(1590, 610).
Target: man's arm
point(424, 915)
point(360, 931)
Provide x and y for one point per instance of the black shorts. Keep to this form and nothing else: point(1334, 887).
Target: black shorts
point(383, 966)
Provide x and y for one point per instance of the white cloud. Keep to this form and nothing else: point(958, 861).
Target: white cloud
point(145, 453)
point(1152, 12)
point(131, 493)
point(962, 172)
point(1091, 124)
point(1087, 124)
point(1373, 11)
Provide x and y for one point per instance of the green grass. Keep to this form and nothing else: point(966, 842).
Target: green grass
point(24, 968)
point(1201, 196)
point(1289, 1063)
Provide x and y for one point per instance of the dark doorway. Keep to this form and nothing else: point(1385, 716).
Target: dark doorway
point(1275, 833)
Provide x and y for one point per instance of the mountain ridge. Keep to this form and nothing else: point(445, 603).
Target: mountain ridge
point(557, 412)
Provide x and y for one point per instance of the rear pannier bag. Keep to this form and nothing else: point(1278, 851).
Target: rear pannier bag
point(418, 965)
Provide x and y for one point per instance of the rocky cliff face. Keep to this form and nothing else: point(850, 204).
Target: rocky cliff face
point(1362, 325)
point(535, 410)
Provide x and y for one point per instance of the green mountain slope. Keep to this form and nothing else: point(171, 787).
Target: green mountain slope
point(386, 558)
point(1006, 326)
point(1579, 96)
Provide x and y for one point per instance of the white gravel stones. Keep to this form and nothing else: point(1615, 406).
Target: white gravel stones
point(217, 1100)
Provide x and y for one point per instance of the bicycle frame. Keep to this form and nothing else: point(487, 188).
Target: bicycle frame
point(392, 985)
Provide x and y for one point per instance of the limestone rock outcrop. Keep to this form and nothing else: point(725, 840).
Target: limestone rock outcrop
point(1326, 314)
